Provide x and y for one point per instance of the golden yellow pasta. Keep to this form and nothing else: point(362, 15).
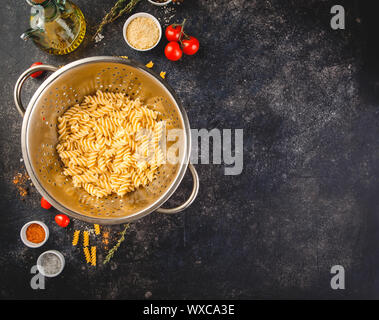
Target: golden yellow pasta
point(75, 238)
point(97, 229)
point(110, 144)
point(87, 254)
point(85, 239)
point(150, 64)
point(93, 256)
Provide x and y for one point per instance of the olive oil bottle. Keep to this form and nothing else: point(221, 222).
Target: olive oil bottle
point(56, 26)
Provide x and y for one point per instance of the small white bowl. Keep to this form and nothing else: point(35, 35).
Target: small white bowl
point(29, 243)
point(160, 3)
point(41, 269)
point(146, 15)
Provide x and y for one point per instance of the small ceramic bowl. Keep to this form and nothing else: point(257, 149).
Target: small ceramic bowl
point(160, 3)
point(29, 243)
point(41, 268)
point(146, 15)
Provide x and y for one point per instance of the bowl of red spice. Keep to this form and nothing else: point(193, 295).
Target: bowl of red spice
point(34, 234)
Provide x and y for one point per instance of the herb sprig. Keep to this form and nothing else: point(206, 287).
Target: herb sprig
point(120, 7)
point(112, 251)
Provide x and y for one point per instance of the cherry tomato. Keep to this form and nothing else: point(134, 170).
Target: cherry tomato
point(173, 32)
point(173, 51)
point(38, 73)
point(190, 46)
point(45, 204)
point(62, 220)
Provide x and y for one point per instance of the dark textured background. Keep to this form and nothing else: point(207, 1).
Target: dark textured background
point(307, 199)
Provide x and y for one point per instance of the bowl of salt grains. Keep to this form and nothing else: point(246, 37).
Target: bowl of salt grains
point(142, 31)
point(50, 263)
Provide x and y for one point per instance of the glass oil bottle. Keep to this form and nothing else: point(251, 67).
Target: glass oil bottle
point(56, 26)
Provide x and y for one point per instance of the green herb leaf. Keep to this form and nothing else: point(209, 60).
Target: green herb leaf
point(120, 7)
point(112, 251)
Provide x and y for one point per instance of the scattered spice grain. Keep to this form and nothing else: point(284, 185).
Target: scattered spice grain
point(105, 240)
point(20, 180)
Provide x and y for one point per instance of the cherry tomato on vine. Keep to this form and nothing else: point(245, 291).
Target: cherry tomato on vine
point(62, 220)
point(173, 51)
point(45, 204)
point(173, 32)
point(38, 73)
point(190, 46)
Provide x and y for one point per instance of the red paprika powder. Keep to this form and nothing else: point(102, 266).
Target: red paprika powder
point(35, 233)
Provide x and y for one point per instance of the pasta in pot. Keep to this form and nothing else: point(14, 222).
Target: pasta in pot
point(110, 144)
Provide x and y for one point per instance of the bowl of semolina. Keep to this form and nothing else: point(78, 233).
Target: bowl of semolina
point(142, 31)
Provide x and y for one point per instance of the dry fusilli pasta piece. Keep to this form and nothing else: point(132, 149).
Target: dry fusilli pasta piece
point(87, 254)
point(75, 237)
point(93, 256)
point(85, 239)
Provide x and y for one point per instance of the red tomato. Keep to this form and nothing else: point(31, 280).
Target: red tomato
point(45, 204)
point(173, 51)
point(62, 220)
point(38, 73)
point(173, 32)
point(190, 46)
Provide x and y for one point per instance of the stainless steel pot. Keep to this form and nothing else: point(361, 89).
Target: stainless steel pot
point(67, 86)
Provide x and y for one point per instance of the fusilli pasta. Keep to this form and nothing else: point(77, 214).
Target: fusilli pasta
point(85, 239)
point(87, 254)
point(93, 256)
point(75, 238)
point(110, 144)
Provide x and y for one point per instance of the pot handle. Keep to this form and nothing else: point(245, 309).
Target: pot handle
point(191, 198)
point(21, 80)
